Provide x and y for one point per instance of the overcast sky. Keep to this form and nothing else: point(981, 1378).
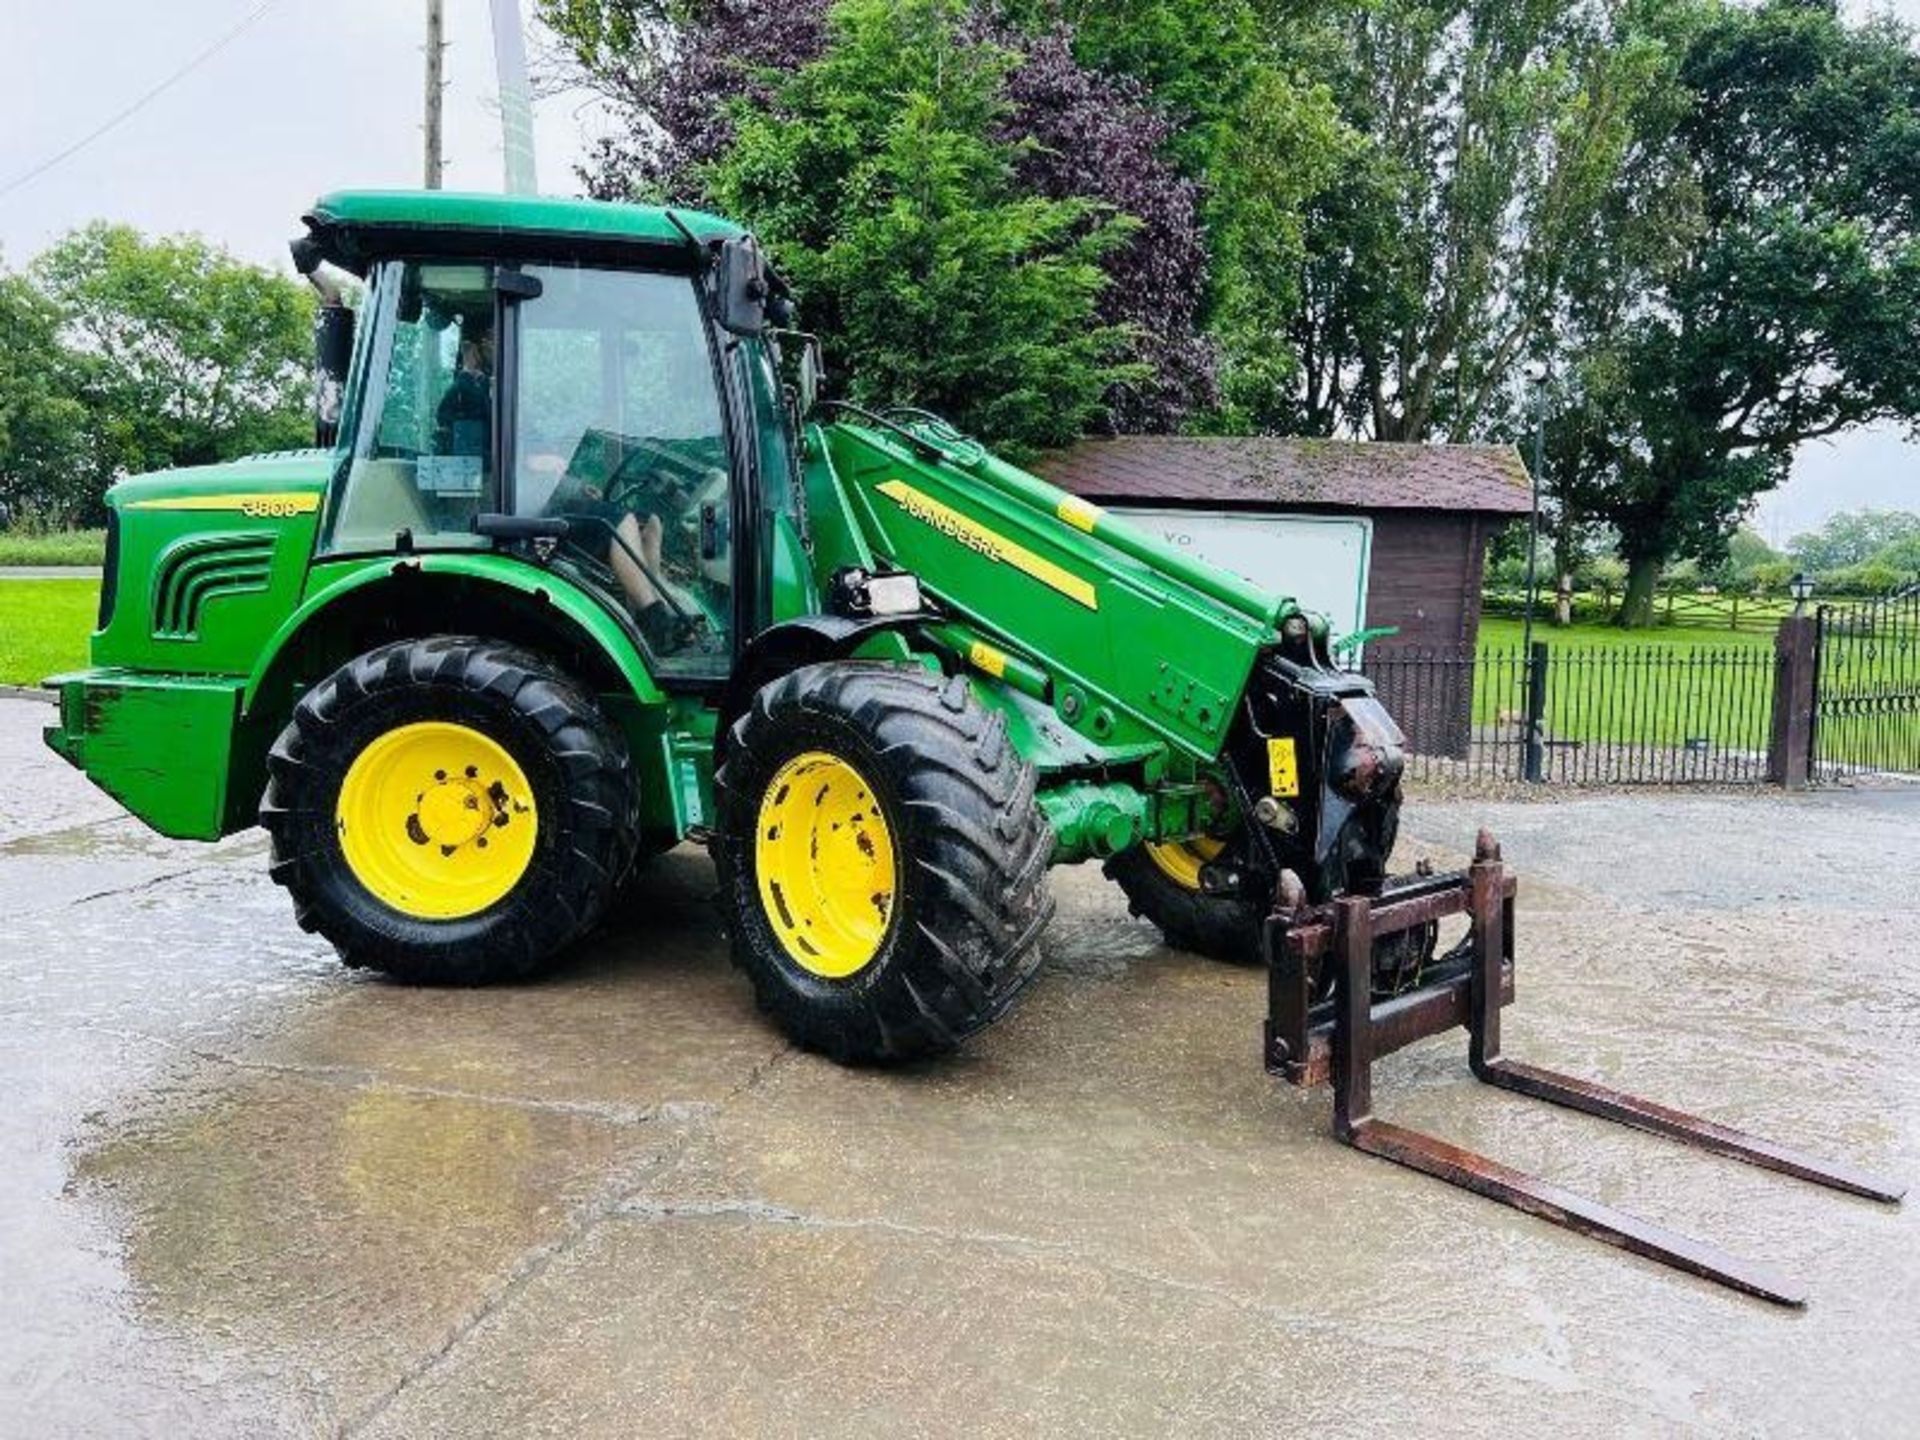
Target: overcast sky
point(313, 97)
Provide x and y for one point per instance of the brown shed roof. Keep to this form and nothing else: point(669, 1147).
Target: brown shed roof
point(1293, 472)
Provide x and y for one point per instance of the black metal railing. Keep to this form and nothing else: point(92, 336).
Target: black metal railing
point(1866, 705)
point(1638, 714)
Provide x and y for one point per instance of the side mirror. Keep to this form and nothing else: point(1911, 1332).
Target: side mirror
point(812, 376)
point(332, 351)
point(741, 286)
point(332, 339)
point(802, 371)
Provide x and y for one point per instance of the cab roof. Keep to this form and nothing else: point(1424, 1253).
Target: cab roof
point(355, 227)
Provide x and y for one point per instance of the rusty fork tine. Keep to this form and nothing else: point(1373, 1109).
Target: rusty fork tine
point(1659, 1119)
point(1550, 1202)
point(1354, 1123)
point(1486, 882)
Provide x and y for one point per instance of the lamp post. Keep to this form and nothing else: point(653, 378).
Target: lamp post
point(1533, 516)
point(1536, 671)
point(1801, 588)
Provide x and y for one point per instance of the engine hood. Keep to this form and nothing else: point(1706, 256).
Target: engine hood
point(283, 471)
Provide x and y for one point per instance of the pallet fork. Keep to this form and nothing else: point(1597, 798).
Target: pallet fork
point(1337, 1040)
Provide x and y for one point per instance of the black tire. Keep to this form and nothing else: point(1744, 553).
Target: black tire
point(962, 930)
point(1218, 927)
point(575, 762)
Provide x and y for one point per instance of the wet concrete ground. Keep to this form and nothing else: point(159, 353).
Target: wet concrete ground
point(245, 1192)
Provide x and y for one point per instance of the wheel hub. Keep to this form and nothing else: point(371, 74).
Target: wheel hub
point(824, 855)
point(455, 812)
point(1181, 860)
point(436, 820)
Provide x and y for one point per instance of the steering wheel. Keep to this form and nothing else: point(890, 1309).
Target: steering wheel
point(662, 477)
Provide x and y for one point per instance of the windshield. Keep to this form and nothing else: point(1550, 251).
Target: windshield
point(419, 461)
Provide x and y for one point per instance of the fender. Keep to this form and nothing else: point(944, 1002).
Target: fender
point(583, 612)
point(804, 640)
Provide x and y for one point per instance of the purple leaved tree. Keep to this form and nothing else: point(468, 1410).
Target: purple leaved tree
point(1096, 136)
point(1077, 133)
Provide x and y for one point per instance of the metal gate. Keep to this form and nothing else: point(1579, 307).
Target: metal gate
point(1866, 693)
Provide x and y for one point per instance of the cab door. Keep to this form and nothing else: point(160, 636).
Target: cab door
point(618, 426)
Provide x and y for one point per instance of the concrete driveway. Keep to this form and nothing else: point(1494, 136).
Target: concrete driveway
point(246, 1192)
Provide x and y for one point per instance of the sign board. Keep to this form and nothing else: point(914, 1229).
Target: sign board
point(1320, 560)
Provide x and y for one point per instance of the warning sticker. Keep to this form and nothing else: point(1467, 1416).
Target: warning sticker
point(1283, 769)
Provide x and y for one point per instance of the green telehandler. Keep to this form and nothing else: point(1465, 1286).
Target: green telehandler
point(582, 568)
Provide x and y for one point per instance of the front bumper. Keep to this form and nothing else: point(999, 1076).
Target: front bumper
point(162, 745)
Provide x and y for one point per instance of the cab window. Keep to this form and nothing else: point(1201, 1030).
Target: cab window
point(419, 452)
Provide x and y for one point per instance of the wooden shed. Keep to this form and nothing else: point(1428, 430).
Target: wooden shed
point(1432, 508)
point(1423, 513)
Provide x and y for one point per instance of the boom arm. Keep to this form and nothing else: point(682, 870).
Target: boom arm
point(1141, 643)
point(1143, 651)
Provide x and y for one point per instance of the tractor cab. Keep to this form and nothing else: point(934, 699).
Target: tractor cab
point(609, 408)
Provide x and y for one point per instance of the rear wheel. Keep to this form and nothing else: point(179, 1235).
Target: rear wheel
point(1162, 882)
point(449, 811)
point(881, 858)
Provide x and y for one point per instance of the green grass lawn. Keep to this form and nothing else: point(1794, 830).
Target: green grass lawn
point(59, 547)
point(44, 625)
point(1659, 687)
point(1498, 634)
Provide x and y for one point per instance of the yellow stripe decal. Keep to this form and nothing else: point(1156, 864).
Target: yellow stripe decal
point(976, 537)
point(278, 505)
point(1081, 514)
point(985, 657)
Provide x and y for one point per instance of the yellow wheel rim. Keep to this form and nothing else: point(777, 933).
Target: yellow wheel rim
point(436, 820)
point(824, 857)
point(1180, 860)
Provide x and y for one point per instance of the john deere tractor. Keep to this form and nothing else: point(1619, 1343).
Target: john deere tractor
point(583, 568)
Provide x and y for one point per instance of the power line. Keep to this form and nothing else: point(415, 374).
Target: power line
point(122, 116)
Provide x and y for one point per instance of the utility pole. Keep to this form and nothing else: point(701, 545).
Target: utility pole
point(1533, 516)
point(516, 99)
point(436, 88)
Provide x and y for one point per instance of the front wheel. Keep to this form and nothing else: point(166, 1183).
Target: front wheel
point(450, 811)
point(881, 859)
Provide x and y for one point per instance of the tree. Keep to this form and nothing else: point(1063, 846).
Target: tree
point(1258, 137)
point(1902, 557)
point(1784, 303)
point(1080, 134)
point(673, 73)
point(876, 176)
point(42, 423)
point(182, 355)
point(1852, 538)
point(1489, 137)
point(1748, 554)
point(680, 78)
point(1270, 171)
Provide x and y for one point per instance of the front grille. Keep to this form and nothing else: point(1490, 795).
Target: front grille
point(195, 571)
